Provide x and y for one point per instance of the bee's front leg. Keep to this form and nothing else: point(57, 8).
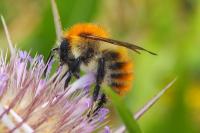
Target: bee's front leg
point(49, 59)
point(74, 70)
point(68, 79)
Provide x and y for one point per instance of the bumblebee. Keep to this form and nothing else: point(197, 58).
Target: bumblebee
point(87, 47)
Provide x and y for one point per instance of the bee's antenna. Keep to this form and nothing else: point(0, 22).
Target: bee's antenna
point(49, 59)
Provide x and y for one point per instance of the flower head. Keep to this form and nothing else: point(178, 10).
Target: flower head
point(31, 102)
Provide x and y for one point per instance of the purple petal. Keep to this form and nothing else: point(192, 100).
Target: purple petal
point(49, 67)
point(40, 87)
point(87, 89)
point(102, 112)
point(23, 54)
point(88, 103)
point(107, 129)
point(39, 58)
point(20, 70)
point(30, 59)
point(81, 83)
point(3, 82)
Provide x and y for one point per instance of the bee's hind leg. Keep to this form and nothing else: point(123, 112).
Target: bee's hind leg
point(100, 104)
point(99, 80)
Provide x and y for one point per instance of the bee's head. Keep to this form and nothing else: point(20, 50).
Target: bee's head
point(65, 51)
point(64, 44)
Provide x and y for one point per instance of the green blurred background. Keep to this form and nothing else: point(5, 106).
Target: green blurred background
point(170, 28)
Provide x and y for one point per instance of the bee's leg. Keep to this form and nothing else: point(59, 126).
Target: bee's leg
point(100, 77)
point(70, 74)
point(67, 80)
point(49, 59)
point(77, 74)
point(100, 103)
point(99, 80)
point(75, 67)
point(74, 70)
point(64, 75)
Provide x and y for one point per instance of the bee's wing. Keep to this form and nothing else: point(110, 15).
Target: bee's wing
point(115, 42)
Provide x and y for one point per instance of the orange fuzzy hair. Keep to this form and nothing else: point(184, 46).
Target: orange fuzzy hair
point(87, 28)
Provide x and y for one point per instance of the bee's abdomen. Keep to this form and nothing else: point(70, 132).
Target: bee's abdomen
point(119, 71)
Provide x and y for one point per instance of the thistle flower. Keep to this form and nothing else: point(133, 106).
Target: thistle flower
point(33, 103)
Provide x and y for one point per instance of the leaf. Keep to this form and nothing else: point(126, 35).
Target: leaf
point(125, 114)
